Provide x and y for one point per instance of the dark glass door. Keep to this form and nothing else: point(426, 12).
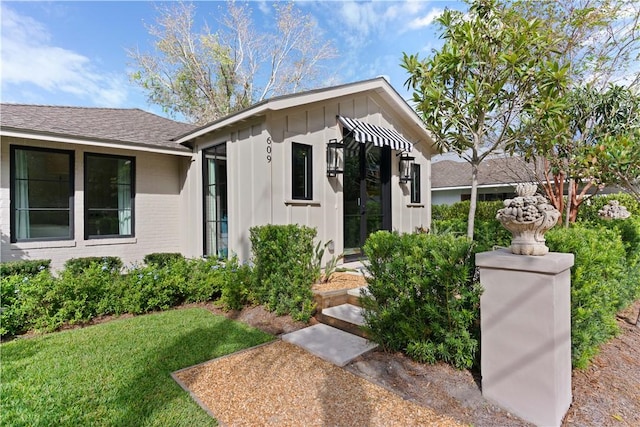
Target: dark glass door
point(216, 239)
point(367, 195)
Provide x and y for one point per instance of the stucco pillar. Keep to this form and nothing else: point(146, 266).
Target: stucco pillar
point(525, 318)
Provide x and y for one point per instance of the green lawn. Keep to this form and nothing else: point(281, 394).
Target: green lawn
point(116, 373)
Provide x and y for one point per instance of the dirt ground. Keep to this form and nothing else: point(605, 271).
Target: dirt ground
point(607, 393)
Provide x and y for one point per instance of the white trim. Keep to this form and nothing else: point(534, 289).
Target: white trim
point(301, 202)
point(93, 143)
point(468, 187)
point(111, 241)
point(43, 244)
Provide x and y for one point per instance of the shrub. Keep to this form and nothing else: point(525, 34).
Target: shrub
point(589, 209)
point(284, 271)
point(425, 302)
point(36, 304)
point(162, 259)
point(236, 285)
point(485, 211)
point(78, 265)
point(25, 267)
point(486, 234)
point(12, 317)
point(150, 287)
point(600, 285)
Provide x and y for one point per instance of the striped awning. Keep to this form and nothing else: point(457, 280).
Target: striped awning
point(364, 132)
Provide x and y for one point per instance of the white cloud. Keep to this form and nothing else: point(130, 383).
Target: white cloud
point(28, 59)
point(425, 20)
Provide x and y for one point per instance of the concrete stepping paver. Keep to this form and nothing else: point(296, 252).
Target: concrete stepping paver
point(329, 343)
point(347, 312)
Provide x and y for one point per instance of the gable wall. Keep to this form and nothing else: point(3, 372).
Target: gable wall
point(260, 190)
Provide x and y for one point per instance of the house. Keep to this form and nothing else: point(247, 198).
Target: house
point(96, 182)
point(497, 179)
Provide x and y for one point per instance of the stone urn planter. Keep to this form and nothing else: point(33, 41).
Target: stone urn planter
point(528, 216)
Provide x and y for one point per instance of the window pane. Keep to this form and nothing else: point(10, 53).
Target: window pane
point(415, 183)
point(108, 196)
point(45, 224)
point(301, 166)
point(216, 220)
point(41, 194)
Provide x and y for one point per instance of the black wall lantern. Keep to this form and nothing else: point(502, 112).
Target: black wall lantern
point(335, 157)
point(406, 164)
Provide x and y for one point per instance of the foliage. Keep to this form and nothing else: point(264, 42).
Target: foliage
point(324, 274)
point(595, 148)
point(490, 84)
point(117, 373)
point(78, 265)
point(485, 211)
point(12, 316)
point(424, 299)
point(204, 75)
point(81, 293)
point(620, 160)
point(162, 259)
point(284, 269)
point(488, 232)
point(237, 282)
point(598, 37)
point(589, 211)
point(602, 283)
point(29, 267)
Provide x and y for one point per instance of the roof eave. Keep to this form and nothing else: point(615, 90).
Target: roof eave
point(72, 139)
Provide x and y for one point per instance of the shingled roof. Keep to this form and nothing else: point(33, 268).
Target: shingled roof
point(123, 126)
point(492, 171)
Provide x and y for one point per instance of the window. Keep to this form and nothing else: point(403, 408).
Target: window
point(216, 239)
point(415, 183)
point(41, 194)
point(301, 167)
point(109, 196)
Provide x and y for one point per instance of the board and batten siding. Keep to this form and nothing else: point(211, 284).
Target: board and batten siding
point(260, 190)
point(159, 209)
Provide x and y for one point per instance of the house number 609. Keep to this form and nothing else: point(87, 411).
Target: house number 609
point(269, 149)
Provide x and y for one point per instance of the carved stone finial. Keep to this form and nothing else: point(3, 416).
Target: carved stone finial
point(528, 217)
point(614, 210)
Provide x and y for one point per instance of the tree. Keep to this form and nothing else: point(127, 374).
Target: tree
point(487, 87)
point(207, 75)
point(600, 39)
point(598, 147)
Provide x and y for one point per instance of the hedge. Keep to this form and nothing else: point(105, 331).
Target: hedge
point(425, 301)
point(284, 259)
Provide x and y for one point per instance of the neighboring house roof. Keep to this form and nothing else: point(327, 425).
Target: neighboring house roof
point(111, 125)
point(381, 86)
point(449, 174)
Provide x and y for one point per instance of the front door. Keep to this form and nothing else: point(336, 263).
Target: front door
point(367, 194)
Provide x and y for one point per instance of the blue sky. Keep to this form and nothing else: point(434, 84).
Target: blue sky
point(74, 53)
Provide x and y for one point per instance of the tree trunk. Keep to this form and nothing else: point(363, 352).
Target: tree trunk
point(570, 197)
point(473, 202)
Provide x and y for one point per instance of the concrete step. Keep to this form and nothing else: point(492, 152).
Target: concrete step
point(356, 294)
point(331, 344)
point(346, 317)
point(346, 312)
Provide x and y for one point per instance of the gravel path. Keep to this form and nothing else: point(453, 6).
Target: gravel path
point(281, 384)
